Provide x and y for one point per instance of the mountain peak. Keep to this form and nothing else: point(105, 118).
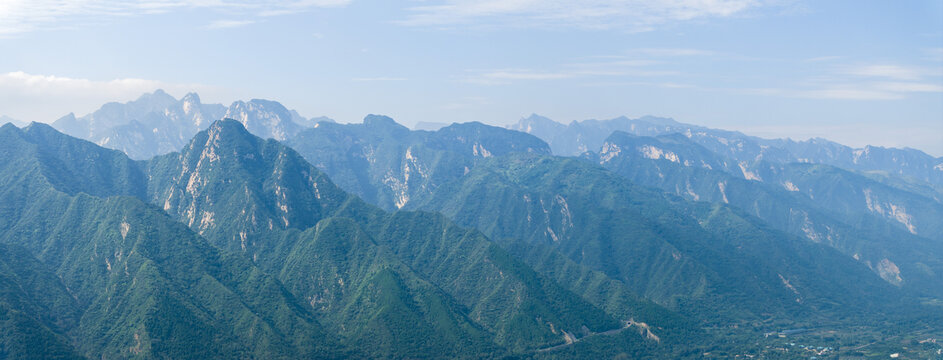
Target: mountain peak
point(537, 117)
point(191, 97)
point(8, 127)
point(381, 121)
point(159, 96)
point(67, 117)
point(266, 118)
point(268, 103)
point(6, 119)
point(538, 125)
point(227, 127)
point(42, 128)
point(190, 102)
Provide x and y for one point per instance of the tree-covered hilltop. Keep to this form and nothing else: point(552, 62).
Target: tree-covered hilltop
point(717, 261)
point(249, 251)
point(238, 246)
point(139, 283)
point(260, 198)
point(600, 233)
point(388, 165)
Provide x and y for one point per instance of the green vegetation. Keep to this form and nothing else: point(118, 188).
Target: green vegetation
point(237, 247)
point(861, 218)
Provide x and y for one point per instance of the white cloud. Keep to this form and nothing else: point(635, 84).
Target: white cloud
point(875, 82)
point(524, 75)
point(886, 71)
point(615, 67)
point(849, 93)
point(861, 82)
point(21, 16)
point(507, 76)
point(853, 91)
point(45, 98)
point(908, 87)
point(632, 15)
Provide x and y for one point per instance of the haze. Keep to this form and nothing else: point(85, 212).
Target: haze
point(854, 72)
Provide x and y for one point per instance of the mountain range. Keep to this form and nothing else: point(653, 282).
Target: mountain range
point(157, 123)
point(589, 135)
point(165, 228)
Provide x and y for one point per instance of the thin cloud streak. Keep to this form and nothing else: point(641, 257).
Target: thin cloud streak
point(631, 15)
point(616, 67)
point(886, 71)
point(852, 91)
point(23, 16)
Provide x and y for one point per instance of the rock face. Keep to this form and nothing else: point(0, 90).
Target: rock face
point(264, 118)
point(153, 124)
point(386, 164)
point(255, 244)
point(858, 215)
point(111, 276)
point(555, 213)
point(326, 240)
point(262, 199)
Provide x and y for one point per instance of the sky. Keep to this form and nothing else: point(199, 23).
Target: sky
point(857, 72)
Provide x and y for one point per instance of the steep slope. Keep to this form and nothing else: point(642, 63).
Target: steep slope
point(387, 164)
point(638, 237)
point(906, 163)
point(377, 303)
point(142, 284)
point(35, 309)
point(843, 194)
point(859, 199)
point(539, 126)
point(266, 118)
point(261, 198)
point(863, 218)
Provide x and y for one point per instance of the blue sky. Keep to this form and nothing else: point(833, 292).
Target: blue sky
point(858, 72)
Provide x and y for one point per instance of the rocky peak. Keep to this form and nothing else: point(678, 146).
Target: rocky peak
point(155, 101)
point(190, 103)
point(265, 118)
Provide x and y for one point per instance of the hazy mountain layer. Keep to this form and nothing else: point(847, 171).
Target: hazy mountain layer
point(589, 135)
point(865, 219)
